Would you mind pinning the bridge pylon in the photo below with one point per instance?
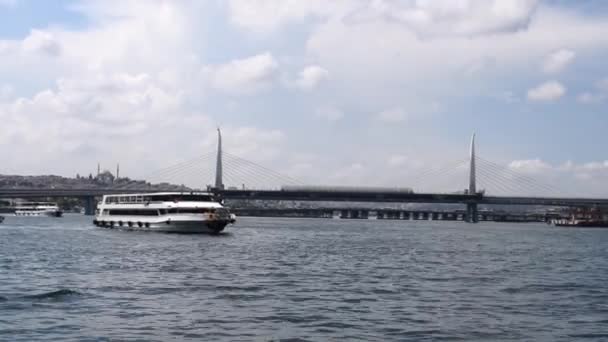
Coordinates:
(219, 182)
(472, 214)
(90, 204)
(472, 175)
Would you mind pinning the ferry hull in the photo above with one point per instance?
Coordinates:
(39, 214)
(182, 227)
(600, 224)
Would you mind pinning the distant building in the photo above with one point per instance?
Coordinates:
(105, 177)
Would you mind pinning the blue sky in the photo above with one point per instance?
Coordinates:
(343, 92)
(19, 17)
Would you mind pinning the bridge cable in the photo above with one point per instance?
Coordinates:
(433, 177)
(237, 169)
(263, 170)
(519, 177)
(491, 176)
(165, 173)
(269, 171)
(524, 182)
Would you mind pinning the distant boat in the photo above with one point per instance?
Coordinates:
(584, 217)
(34, 209)
(173, 212)
(580, 223)
(1, 219)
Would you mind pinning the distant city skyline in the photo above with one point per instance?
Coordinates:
(340, 92)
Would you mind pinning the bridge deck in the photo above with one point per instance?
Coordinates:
(330, 196)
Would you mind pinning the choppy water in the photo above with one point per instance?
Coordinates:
(303, 280)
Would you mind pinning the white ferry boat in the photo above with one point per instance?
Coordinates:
(38, 209)
(173, 212)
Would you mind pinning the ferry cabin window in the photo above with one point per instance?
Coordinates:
(111, 200)
(123, 199)
(133, 212)
(179, 198)
(190, 210)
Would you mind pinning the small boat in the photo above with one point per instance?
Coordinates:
(38, 209)
(172, 212)
(1, 219)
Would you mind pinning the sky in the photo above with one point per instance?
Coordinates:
(327, 92)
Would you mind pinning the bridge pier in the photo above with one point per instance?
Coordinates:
(90, 204)
(472, 213)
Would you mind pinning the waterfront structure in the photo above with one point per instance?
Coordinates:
(174, 212)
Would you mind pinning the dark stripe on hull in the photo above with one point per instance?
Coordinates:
(183, 227)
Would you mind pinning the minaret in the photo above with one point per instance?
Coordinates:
(472, 185)
(219, 183)
(98, 169)
(117, 170)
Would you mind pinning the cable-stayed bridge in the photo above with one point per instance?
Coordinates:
(232, 177)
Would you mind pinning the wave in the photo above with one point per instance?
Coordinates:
(53, 294)
(540, 288)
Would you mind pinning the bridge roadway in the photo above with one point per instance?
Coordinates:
(330, 196)
(478, 198)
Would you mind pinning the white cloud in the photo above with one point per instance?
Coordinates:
(127, 87)
(447, 17)
(588, 98)
(122, 105)
(397, 160)
(548, 91)
(427, 18)
(392, 115)
(329, 113)
(602, 85)
(404, 58)
(41, 42)
(120, 118)
(600, 94)
(265, 16)
(595, 166)
(535, 177)
(351, 174)
(6, 91)
(311, 76)
(592, 176)
(254, 143)
(244, 76)
(140, 70)
(557, 61)
(534, 166)
(506, 96)
(401, 161)
(126, 36)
